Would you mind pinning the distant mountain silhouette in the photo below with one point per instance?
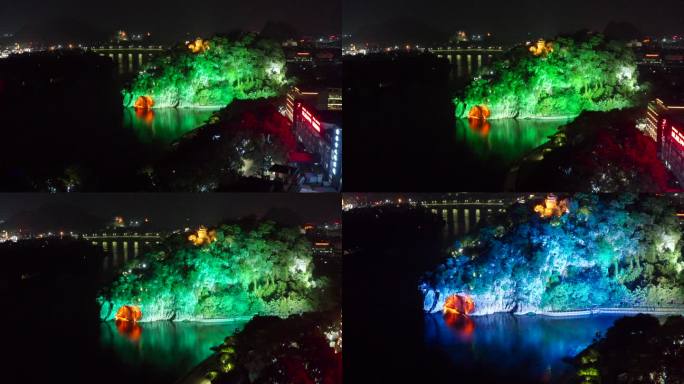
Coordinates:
(622, 31)
(54, 216)
(284, 216)
(279, 31)
(401, 31)
(60, 30)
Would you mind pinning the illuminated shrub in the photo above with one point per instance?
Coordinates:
(211, 73)
(245, 270)
(556, 79)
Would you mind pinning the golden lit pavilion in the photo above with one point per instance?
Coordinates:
(541, 48)
(552, 207)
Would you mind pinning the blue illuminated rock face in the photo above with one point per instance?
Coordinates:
(617, 252)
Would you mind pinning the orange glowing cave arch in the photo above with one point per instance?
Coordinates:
(459, 305)
(479, 112)
(144, 102)
(130, 313)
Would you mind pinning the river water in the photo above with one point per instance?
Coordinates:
(518, 348)
(504, 141)
(162, 351)
(162, 126)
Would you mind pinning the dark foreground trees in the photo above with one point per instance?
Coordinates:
(639, 349)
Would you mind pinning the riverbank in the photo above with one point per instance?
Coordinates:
(224, 320)
(197, 375)
(614, 311)
(599, 311)
(537, 154)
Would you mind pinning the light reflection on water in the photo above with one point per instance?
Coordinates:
(164, 125)
(467, 64)
(164, 348)
(532, 347)
(504, 140)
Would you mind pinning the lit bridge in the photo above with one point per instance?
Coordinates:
(467, 61)
(129, 59)
(107, 49)
(120, 246)
(464, 215)
(466, 202)
(450, 50)
(113, 236)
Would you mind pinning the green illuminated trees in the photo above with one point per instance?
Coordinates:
(246, 67)
(247, 270)
(607, 251)
(579, 74)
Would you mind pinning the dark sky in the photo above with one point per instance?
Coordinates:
(515, 18)
(171, 17)
(173, 209)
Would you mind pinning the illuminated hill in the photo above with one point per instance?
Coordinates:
(561, 78)
(211, 72)
(597, 251)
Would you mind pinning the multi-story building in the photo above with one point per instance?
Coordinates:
(654, 114)
(672, 152)
(320, 133)
(666, 127)
(321, 98)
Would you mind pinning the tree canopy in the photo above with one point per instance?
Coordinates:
(242, 140)
(584, 73)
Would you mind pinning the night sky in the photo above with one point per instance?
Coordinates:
(173, 19)
(515, 18)
(174, 209)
